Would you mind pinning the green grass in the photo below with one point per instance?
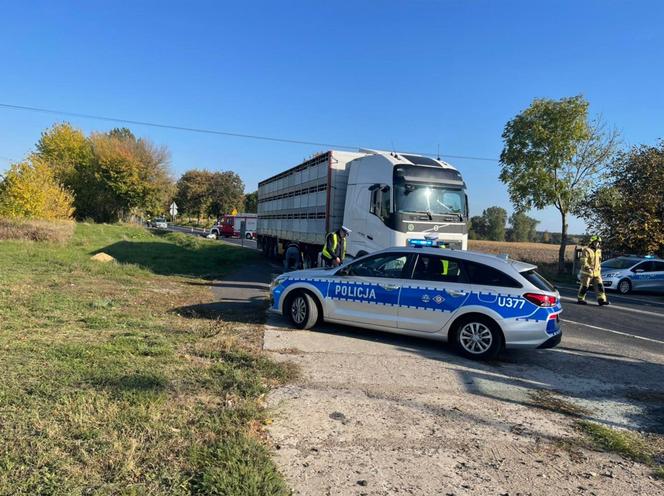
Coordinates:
(631, 445)
(105, 390)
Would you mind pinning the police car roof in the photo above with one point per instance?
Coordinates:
(639, 258)
(475, 256)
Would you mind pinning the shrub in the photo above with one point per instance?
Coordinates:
(30, 191)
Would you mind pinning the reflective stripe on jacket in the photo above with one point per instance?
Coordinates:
(331, 248)
(591, 262)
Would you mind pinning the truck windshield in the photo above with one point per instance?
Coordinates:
(430, 199)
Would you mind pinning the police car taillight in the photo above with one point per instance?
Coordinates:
(541, 300)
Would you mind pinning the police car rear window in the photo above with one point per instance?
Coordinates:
(488, 276)
(538, 281)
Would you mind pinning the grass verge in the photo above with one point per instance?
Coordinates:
(105, 390)
(646, 449)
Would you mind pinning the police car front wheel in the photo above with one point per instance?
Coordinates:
(302, 310)
(624, 286)
(478, 338)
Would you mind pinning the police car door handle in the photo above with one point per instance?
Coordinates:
(389, 287)
(457, 292)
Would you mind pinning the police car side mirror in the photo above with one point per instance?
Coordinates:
(343, 272)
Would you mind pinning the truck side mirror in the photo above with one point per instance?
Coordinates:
(374, 187)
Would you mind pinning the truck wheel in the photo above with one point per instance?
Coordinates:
(302, 310)
(478, 338)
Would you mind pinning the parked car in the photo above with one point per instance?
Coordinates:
(633, 273)
(158, 223)
(481, 303)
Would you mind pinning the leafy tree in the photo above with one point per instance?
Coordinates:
(30, 190)
(524, 228)
(552, 155)
(478, 227)
(251, 203)
(227, 193)
(130, 177)
(628, 209)
(495, 218)
(67, 151)
(122, 133)
(193, 192)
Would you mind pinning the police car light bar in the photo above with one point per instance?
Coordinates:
(419, 243)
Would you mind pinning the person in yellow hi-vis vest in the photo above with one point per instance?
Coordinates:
(334, 250)
(591, 272)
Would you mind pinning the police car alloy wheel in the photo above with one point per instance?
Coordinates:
(478, 338)
(624, 286)
(302, 310)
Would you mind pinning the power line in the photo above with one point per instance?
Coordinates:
(213, 131)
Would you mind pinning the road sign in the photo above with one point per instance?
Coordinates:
(234, 211)
(173, 209)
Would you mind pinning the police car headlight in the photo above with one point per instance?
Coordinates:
(276, 281)
(611, 274)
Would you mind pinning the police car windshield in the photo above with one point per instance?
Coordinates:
(426, 198)
(620, 263)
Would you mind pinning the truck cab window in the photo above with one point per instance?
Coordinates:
(380, 202)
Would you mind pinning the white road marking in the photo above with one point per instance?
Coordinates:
(614, 332)
(626, 309)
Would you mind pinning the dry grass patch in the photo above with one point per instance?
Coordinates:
(58, 231)
(549, 400)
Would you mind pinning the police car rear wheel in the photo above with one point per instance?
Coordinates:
(302, 311)
(624, 286)
(478, 339)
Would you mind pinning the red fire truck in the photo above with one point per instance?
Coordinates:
(230, 226)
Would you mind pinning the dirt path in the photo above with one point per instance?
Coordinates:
(376, 414)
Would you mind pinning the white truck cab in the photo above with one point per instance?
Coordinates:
(391, 198)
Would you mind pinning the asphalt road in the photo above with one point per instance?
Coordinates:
(247, 243)
(636, 317)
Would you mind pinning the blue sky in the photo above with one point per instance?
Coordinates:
(411, 75)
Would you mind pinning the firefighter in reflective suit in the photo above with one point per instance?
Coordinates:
(591, 272)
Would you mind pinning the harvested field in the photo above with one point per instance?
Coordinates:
(537, 253)
(36, 230)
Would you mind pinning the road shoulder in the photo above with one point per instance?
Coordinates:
(378, 414)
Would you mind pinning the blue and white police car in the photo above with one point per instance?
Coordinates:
(633, 273)
(479, 302)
